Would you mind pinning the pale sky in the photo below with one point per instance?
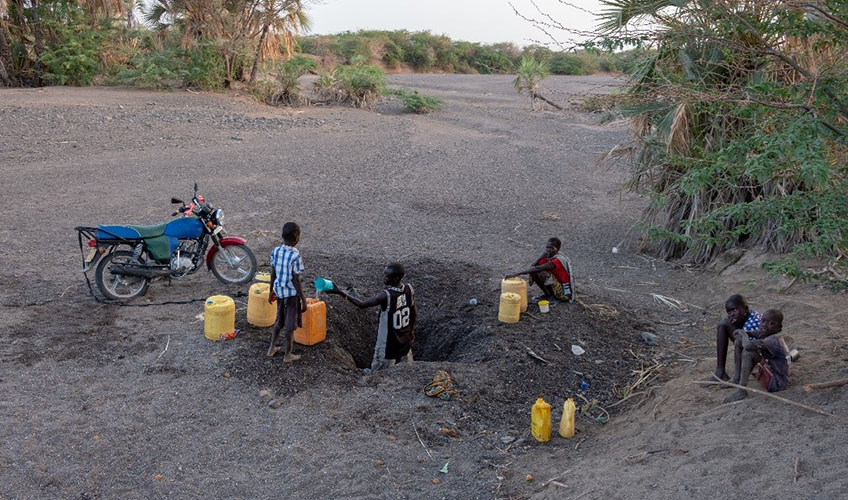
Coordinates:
(485, 21)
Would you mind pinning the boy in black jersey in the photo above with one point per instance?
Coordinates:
(396, 330)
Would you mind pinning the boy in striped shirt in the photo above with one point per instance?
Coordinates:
(739, 317)
(286, 268)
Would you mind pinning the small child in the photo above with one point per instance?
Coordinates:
(396, 329)
(286, 268)
(552, 273)
(764, 346)
(739, 316)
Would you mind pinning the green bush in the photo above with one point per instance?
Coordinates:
(487, 60)
(262, 90)
(300, 64)
(567, 64)
(325, 87)
(349, 46)
(419, 55)
(422, 51)
(200, 67)
(538, 52)
(288, 90)
(415, 102)
(159, 70)
(76, 59)
(360, 85)
(205, 67)
(392, 54)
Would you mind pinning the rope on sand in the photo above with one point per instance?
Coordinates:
(764, 393)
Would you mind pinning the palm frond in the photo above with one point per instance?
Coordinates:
(620, 13)
(679, 133)
(156, 16)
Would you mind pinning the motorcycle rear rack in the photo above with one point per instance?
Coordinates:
(87, 233)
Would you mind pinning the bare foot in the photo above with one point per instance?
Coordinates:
(734, 380)
(739, 395)
(272, 351)
(289, 357)
(712, 378)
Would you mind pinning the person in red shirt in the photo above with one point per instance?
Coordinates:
(551, 273)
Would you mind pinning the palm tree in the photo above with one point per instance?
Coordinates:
(282, 20)
(529, 76)
(108, 8)
(234, 24)
(720, 74)
(7, 70)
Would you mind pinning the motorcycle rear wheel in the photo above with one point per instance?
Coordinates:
(116, 286)
(234, 265)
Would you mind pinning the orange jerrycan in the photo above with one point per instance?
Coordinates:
(540, 421)
(314, 328)
(566, 425)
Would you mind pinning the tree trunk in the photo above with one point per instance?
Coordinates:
(39, 47)
(5, 81)
(130, 16)
(258, 54)
(543, 98)
(7, 68)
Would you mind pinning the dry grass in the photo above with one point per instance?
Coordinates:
(604, 311)
(644, 376)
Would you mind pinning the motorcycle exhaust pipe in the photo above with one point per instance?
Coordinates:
(138, 271)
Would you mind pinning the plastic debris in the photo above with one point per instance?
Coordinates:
(442, 386)
(577, 350)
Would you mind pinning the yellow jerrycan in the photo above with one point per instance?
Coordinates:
(566, 425)
(516, 285)
(509, 310)
(259, 311)
(219, 317)
(540, 421)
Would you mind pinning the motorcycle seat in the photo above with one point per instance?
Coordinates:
(130, 232)
(151, 231)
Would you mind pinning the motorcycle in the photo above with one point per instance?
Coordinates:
(127, 258)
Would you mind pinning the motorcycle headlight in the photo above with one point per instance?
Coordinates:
(219, 216)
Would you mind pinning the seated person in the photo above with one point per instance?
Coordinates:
(396, 329)
(552, 273)
(738, 316)
(763, 346)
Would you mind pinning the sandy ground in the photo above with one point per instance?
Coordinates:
(132, 402)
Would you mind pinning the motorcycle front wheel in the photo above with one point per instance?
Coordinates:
(234, 265)
(116, 286)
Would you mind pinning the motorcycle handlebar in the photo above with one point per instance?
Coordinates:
(179, 211)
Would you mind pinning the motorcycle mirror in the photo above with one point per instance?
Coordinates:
(195, 187)
(176, 200)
